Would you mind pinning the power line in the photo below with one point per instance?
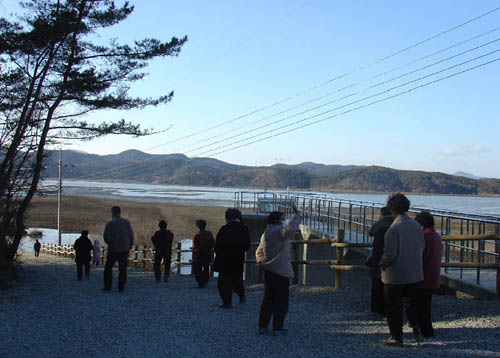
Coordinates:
(330, 80)
(360, 107)
(183, 150)
(342, 98)
(211, 152)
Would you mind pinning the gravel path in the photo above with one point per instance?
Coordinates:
(52, 315)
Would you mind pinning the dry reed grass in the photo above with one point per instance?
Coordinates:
(80, 213)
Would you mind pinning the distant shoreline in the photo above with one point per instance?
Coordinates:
(279, 189)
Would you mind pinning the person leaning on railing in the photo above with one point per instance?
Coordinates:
(273, 256)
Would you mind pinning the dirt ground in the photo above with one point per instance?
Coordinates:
(79, 213)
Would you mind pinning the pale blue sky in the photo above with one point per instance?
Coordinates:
(245, 55)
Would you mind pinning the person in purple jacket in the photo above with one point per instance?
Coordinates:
(432, 272)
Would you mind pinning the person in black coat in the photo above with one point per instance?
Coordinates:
(162, 241)
(231, 242)
(83, 247)
(37, 247)
(378, 231)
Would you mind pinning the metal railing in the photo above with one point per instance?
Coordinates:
(355, 217)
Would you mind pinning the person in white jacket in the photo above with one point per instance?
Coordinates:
(273, 256)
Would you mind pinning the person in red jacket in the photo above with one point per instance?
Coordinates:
(203, 252)
(432, 272)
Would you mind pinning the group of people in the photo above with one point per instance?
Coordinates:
(404, 263)
(230, 245)
(405, 266)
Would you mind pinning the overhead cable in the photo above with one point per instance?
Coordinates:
(357, 108)
(346, 105)
(184, 150)
(351, 95)
(330, 80)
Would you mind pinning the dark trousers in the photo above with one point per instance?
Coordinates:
(167, 260)
(377, 301)
(122, 258)
(37, 253)
(275, 301)
(393, 295)
(201, 271)
(424, 303)
(79, 268)
(227, 283)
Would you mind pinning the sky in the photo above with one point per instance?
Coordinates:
(255, 69)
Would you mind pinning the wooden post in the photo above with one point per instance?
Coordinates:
(179, 257)
(136, 255)
(340, 260)
(295, 265)
(497, 261)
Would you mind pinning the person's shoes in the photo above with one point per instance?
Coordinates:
(157, 280)
(243, 299)
(417, 334)
(106, 289)
(263, 330)
(225, 306)
(165, 279)
(393, 342)
(280, 332)
(88, 277)
(121, 289)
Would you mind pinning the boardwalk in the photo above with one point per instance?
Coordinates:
(52, 315)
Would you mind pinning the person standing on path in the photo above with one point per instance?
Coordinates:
(37, 248)
(83, 247)
(432, 272)
(119, 236)
(378, 231)
(96, 253)
(231, 243)
(162, 241)
(273, 256)
(402, 269)
(203, 245)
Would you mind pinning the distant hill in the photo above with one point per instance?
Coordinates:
(467, 175)
(136, 166)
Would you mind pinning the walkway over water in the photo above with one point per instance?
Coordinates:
(328, 216)
(51, 314)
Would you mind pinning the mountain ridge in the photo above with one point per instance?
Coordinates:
(178, 169)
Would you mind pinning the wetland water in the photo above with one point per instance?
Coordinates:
(197, 195)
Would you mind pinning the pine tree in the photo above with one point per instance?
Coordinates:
(52, 74)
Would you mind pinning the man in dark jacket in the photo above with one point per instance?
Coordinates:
(378, 231)
(230, 245)
(83, 247)
(162, 241)
(119, 236)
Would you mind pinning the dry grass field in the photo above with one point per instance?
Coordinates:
(91, 214)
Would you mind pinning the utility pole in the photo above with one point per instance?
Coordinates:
(59, 199)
